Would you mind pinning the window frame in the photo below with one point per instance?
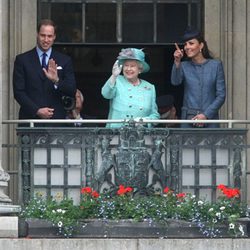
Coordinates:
(119, 17)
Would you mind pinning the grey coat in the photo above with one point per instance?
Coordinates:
(204, 87)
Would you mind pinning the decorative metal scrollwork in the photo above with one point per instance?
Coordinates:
(237, 168)
(132, 161)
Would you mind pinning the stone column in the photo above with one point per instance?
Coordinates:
(17, 34)
(8, 224)
(4, 176)
(5, 202)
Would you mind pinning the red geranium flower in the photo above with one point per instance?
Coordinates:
(181, 195)
(86, 190)
(166, 190)
(128, 189)
(95, 194)
(229, 192)
(221, 187)
(122, 190)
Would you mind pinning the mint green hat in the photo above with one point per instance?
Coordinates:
(133, 54)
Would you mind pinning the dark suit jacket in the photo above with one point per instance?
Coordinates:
(33, 90)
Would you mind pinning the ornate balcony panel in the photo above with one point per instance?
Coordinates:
(59, 161)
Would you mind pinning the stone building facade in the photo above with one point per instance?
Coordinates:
(226, 29)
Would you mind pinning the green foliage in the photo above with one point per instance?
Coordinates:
(125, 205)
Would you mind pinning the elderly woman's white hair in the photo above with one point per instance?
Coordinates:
(80, 94)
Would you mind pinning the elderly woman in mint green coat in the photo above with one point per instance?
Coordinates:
(130, 96)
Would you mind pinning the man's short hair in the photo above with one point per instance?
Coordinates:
(45, 22)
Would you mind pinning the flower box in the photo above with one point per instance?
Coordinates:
(117, 216)
(39, 228)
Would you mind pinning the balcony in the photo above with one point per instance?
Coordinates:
(60, 160)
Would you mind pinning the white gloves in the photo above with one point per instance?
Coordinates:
(116, 70)
(138, 119)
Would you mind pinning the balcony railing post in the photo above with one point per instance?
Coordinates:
(26, 168)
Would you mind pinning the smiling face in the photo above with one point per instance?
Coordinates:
(131, 70)
(46, 37)
(193, 48)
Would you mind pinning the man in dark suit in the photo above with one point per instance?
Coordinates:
(42, 76)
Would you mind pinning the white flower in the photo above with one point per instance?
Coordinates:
(200, 203)
(59, 224)
(222, 208)
(53, 211)
(218, 214)
(211, 210)
(59, 210)
(231, 226)
(63, 211)
(193, 196)
(214, 220)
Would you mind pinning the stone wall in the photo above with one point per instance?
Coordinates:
(125, 244)
(227, 30)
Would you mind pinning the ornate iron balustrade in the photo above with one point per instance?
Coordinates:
(59, 161)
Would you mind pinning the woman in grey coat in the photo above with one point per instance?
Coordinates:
(203, 79)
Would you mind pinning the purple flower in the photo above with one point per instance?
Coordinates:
(126, 53)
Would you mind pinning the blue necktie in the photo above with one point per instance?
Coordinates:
(44, 64)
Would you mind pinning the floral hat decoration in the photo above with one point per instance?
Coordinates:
(133, 54)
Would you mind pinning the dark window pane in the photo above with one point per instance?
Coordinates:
(100, 23)
(92, 66)
(137, 22)
(68, 18)
(194, 16)
(43, 11)
(172, 20)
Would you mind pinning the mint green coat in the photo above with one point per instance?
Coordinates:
(128, 101)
